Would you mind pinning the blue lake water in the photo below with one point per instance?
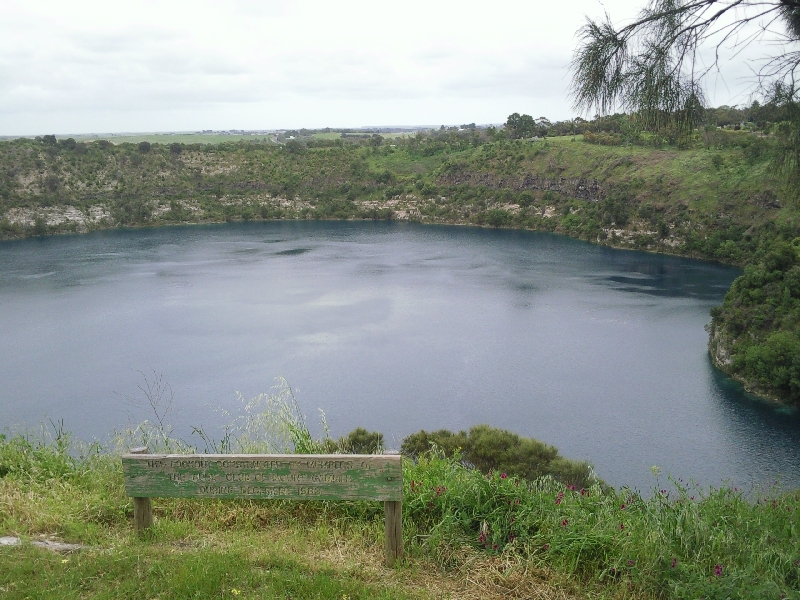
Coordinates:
(393, 327)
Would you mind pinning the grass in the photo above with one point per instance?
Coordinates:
(467, 534)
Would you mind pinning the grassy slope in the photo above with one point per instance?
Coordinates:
(717, 200)
(467, 535)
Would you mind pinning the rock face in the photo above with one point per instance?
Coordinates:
(572, 187)
(719, 346)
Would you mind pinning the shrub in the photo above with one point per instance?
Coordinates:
(489, 449)
(361, 441)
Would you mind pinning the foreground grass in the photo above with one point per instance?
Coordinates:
(467, 535)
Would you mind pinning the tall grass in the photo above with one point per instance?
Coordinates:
(679, 543)
(270, 423)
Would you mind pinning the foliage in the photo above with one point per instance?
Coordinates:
(520, 126)
(678, 543)
(490, 450)
(761, 315)
(361, 441)
(651, 66)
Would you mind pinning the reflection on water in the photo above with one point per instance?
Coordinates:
(394, 327)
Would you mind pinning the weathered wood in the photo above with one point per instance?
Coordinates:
(142, 506)
(267, 476)
(394, 531)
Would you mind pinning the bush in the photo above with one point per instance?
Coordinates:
(361, 441)
(489, 449)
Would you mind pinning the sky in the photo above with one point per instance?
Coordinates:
(173, 65)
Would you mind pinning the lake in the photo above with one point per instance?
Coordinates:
(394, 327)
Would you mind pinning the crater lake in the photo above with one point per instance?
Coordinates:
(393, 327)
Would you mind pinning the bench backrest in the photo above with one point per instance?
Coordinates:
(265, 476)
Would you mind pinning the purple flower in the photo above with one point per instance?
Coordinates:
(503, 475)
(674, 562)
(718, 570)
(630, 563)
(565, 522)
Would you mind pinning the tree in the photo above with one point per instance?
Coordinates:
(144, 147)
(652, 67)
(520, 126)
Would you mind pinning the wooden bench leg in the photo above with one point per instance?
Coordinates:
(394, 531)
(142, 507)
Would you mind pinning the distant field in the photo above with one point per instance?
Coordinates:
(336, 136)
(326, 136)
(170, 138)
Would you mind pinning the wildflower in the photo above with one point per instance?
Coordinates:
(718, 570)
(560, 497)
(621, 526)
(565, 522)
(622, 507)
(503, 475)
(235, 592)
(630, 563)
(517, 501)
(494, 547)
(482, 537)
(674, 562)
(583, 492)
(64, 560)
(546, 547)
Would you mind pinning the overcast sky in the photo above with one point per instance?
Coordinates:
(81, 66)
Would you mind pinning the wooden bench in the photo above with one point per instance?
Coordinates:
(268, 477)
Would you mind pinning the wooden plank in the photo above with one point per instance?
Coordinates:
(394, 532)
(142, 507)
(264, 476)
